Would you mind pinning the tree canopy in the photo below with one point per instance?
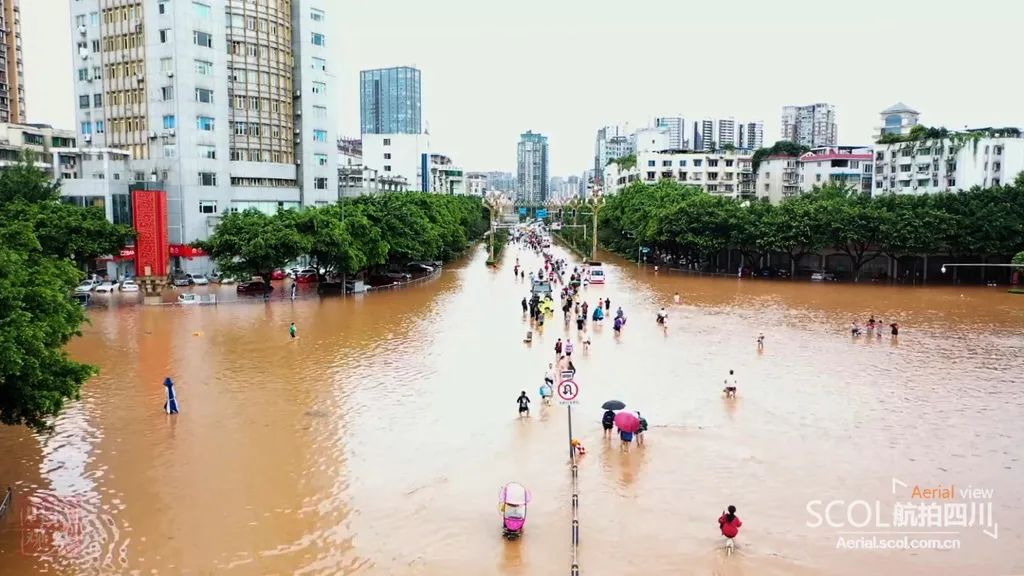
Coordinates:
(693, 226)
(354, 235)
(43, 246)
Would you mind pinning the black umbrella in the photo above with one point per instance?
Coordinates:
(613, 405)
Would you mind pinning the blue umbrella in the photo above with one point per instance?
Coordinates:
(171, 406)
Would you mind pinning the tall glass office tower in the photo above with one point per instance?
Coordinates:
(389, 101)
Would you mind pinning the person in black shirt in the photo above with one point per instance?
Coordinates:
(607, 421)
(524, 404)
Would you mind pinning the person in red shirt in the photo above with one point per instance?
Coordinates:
(729, 523)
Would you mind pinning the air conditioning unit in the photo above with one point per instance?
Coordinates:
(298, 130)
(89, 79)
(82, 29)
(87, 137)
(152, 135)
(140, 78)
(298, 162)
(170, 73)
(298, 93)
(298, 112)
(84, 54)
(138, 27)
(298, 140)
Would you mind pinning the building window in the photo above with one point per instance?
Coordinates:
(95, 46)
(651, 163)
(387, 155)
(207, 151)
(97, 100)
(80, 20)
(319, 64)
(666, 163)
(83, 101)
(320, 183)
(728, 163)
(99, 127)
(319, 88)
(83, 74)
(204, 68)
(316, 15)
(817, 177)
(202, 39)
(204, 95)
(86, 127)
(320, 111)
(97, 73)
(165, 36)
(201, 10)
(387, 141)
(682, 163)
(207, 207)
(320, 135)
(170, 151)
(167, 93)
(698, 163)
(321, 159)
(204, 123)
(319, 39)
(169, 122)
(207, 178)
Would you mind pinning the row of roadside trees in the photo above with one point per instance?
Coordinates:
(45, 245)
(692, 227)
(352, 236)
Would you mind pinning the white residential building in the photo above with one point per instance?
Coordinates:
(224, 104)
(969, 159)
(725, 173)
(781, 177)
(897, 119)
(611, 142)
(476, 183)
(402, 160)
(677, 136)
(813, 125)
(651, 140)
(37, 142)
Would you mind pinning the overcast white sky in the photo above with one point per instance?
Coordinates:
(492, 70)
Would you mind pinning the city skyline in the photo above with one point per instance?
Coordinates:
(463, 45)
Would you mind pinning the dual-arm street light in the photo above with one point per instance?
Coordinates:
(496, 202)
(596, 201)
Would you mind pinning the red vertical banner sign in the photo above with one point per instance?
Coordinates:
(149, 211)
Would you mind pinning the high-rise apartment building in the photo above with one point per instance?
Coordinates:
(12, 71)
(813, 125)
(751, 135)
(390, 101)
(532, 168)
(676, 126)
(224, 104)
(726, 134)
(612, 142)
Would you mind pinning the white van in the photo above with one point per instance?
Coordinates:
(596, 275)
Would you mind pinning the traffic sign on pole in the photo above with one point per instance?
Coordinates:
(567, 392)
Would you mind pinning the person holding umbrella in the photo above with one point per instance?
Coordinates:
(171, 405)
(608, 418)
(628, 424)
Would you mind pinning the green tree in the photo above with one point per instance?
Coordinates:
(41, 242)
(36, 376)
(251, 243)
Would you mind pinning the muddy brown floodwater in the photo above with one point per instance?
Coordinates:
(376, 442)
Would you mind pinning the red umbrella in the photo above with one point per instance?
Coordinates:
(627, 421)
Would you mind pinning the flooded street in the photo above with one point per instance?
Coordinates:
(377, 441)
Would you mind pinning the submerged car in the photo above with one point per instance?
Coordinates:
(199, 279)
(106, 287)
(181, 280)
(253, 287)
(87, 286)
(129, 285)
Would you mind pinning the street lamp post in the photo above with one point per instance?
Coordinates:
(495, 201)
(596, 202)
